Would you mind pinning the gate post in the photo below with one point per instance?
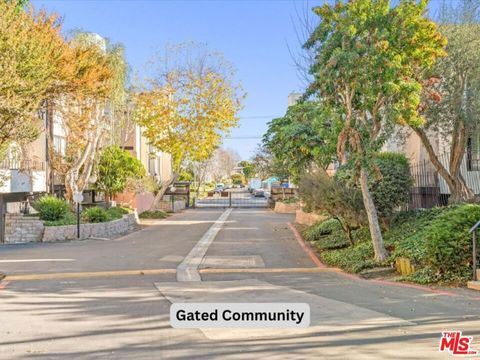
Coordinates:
(229, 199)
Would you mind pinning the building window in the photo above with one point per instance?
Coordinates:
(473, 153)
(59, 145)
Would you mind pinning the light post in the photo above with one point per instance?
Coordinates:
(78, 199)
(172, 190)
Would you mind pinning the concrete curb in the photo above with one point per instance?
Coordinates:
(306, 247)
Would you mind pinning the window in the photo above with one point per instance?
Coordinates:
(59, 144)
(473, 153)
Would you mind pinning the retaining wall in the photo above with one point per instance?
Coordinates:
(22, 229)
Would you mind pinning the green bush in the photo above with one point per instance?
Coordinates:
(341, 201)
(51, 208)
(95, 215)
(157, 214)
(69, 219)
(320, 229)
(389, 182)
(449, 244)
(353, 259)
(392, 190)
(116, 212)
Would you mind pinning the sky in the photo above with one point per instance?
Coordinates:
(253, 35)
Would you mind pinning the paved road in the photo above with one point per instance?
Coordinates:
(86, 299)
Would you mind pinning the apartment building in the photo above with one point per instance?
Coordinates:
(28, 168)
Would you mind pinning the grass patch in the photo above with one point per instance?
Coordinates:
(156, 214)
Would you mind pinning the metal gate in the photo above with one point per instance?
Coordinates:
(232, 198)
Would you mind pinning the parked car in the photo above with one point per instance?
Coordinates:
(258, 193)
(219, 187)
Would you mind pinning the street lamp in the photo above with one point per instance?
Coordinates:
(78, 199)
(172, 190)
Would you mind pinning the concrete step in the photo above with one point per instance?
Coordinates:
(474, 285)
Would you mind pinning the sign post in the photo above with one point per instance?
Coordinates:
(78, 199)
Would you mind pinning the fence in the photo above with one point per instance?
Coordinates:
(429, 189)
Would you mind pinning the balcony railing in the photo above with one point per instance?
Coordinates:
(22, 165)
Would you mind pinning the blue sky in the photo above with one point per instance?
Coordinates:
(253, 35)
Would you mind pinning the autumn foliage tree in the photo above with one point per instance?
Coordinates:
(33, 53)
(452, 99)
(188, 105)
(83, 107)
(368, 53)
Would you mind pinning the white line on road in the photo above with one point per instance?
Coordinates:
(34, 260)
(188, 269)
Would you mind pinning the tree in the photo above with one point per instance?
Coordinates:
(189, 105)
(367, 58)
(33, 53)
(114, 169)
(302, 139)
(452, 99)
(266, 165)
(238, 179)
(247, 169)
(82, 106)
(222, 163)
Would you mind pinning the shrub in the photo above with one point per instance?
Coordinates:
(392, 189)
(51, 208)
(448, 242)
(114, 169)
(353, 259)
(156, 214)
(316, 231)
(389, 182)
(116, 212)
(337, 198)
(95, 215)
(69, 219)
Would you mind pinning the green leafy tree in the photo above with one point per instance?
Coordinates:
(368, 53)
(453, 95)
(247, 169)
(114, 169)
(302, 139)
(238, 179)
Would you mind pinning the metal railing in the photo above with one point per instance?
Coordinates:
(16, 164)
(473, 231)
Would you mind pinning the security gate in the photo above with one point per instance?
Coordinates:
(231, 198)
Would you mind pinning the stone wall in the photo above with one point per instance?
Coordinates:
(100, 230)
(22, 229)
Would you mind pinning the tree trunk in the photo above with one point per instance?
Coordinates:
(163, 188)
(375, 232)
(458, 188)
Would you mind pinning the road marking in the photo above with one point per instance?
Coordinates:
(188, 269)
(86, 275)
(35, 260)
